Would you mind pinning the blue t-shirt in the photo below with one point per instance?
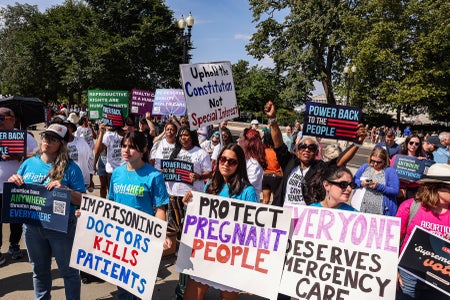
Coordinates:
(34, 170)
(247, 194)
(343, 206)
(143, 189)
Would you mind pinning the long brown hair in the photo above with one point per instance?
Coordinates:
(428, 194)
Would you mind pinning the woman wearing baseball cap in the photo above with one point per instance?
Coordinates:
(51, 167)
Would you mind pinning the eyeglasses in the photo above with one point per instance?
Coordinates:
(343, 184)
(414, 143)
(372, 161)
(303, 146)
(231, 161)
(3, 118)
(49, 139)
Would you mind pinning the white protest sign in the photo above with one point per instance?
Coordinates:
(244, 240)
(209, 92)
(337, 254)
(119, 244)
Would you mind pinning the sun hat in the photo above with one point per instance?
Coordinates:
(61, 117)
(73, 118)
(439, 173)
(254, 122)
(57, 130)
(435, 141)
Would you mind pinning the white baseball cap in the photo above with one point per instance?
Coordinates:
(254, 122)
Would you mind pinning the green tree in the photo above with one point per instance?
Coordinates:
(401, 50)
(254, 86)
(305, 47)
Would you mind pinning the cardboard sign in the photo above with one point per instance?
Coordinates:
(331, 121)
(427, 257)
(13, 143)
(210, 93)
(34, 204)
(177, 170)
(141, 101)
(112, 116)
(169, 101)
(118, 244)
(411, 168)
(98, 98)
(244, 240)
(337, 254)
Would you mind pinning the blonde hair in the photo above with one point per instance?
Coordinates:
(381, 153)
(61, 162)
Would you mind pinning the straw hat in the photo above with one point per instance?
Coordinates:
(439, 173)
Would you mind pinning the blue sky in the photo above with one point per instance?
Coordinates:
(222, 28)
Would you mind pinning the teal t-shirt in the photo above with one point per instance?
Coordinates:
(343, 206)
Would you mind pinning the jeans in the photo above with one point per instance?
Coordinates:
(42, 244)
(416, 289)
(123, 294)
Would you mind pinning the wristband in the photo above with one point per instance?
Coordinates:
(271, 121)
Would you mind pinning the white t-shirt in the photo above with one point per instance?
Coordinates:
(112, 141)
(294, 195)
(86, 134)
(161, 150)
(10, 167)
(255, 174)
(82, 155)
(202, 163)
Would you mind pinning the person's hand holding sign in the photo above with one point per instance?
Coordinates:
(16, 179)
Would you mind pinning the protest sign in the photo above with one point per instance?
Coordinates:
(118, 244)
(141, 101)
(337, 254)
(13, 143)
(210, 93)
(98, 98)
(427, 257)
(245, 239)
(411, 168)
(112, 116)
(177, 170)
(34, 204)
(331, 121)
(169, 101)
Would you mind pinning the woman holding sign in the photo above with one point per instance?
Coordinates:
(411, 147)
(52, 168)
(230, 180)
(381, 183)
(430, 209)
(146, 190)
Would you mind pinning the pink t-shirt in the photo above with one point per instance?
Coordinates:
(425, 218)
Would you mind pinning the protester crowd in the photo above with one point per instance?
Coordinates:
(264, 164)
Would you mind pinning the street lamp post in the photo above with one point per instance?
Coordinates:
(349, 73)
(186, 37)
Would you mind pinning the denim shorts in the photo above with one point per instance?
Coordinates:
(101, 170)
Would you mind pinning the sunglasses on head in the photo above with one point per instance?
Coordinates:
(231, 161)
(343, 184)
(3, 118)
(303, 146)
(414, 143)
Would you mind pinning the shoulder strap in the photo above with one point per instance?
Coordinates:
(414, 208)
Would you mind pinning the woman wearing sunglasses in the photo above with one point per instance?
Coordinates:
(411, 147)
(338, 184)
(381, 183)
(230, 180)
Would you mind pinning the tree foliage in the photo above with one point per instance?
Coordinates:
(99, 45)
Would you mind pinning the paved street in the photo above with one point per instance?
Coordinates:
(16, 276)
